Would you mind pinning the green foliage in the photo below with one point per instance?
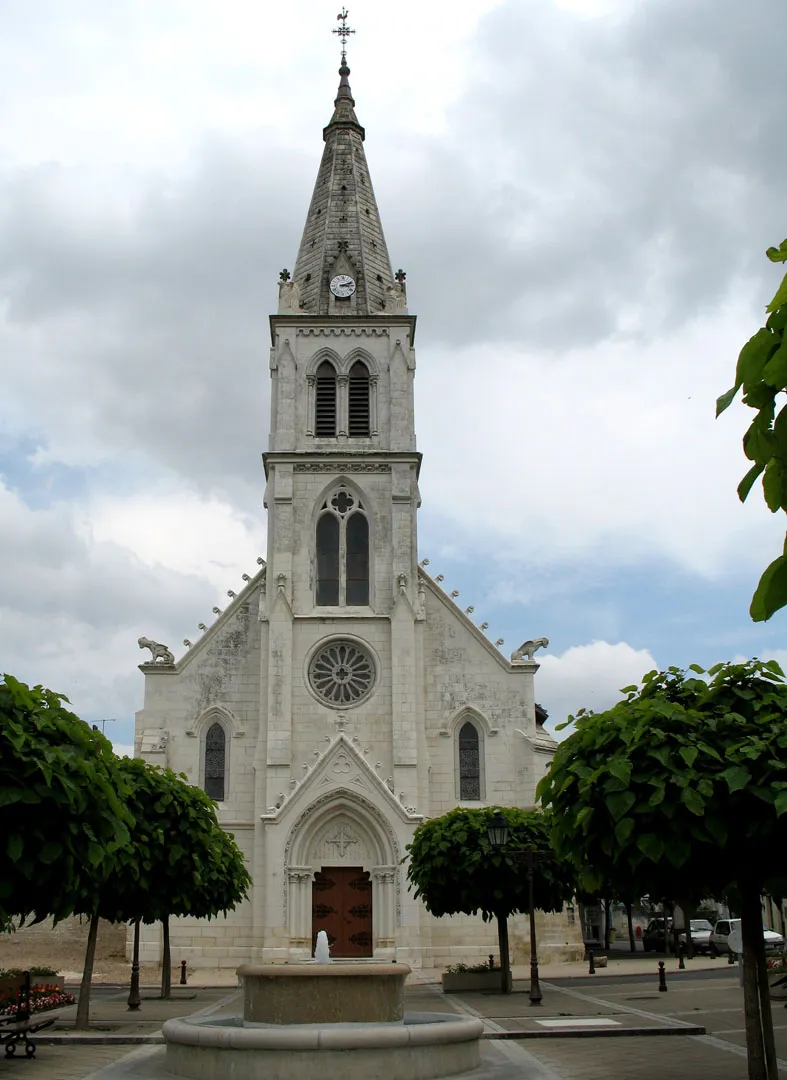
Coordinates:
(178, 860)
(62, 818)
(453, 868)
(681, 788)
(762, 372)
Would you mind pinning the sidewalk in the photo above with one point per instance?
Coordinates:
(611, 1026)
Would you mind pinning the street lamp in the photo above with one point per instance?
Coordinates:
(497, 831)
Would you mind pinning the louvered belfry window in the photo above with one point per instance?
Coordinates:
(342, 551)
(325, 401)
(469, 763)
(215, 762)
(359, 415)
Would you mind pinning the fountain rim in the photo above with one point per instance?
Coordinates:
(336, 968)
(424, 1029)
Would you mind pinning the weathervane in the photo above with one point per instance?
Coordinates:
(344, 32)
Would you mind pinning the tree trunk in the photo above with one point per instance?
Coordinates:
(607, 923)
(760, 1047)
(83, 1007)
(166, 961)
(505, 963)
(632, 941)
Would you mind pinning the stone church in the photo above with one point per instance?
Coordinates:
(342, 696)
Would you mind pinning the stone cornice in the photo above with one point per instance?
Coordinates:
(341, 461)
(343, 325)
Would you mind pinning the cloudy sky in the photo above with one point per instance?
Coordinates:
(581, 192)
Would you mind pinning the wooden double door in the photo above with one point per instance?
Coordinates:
(342, 907)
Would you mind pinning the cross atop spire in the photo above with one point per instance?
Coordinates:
(343, 234)
(343, 32)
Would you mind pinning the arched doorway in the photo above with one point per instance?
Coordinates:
(342, 877)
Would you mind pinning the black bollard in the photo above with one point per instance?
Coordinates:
(183, 973)
(591, 964)
(662, 977)
(681, 955)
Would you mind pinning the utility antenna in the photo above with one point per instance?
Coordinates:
(343, 31)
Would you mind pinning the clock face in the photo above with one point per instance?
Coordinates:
(342, 286)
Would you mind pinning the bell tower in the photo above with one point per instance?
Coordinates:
(342, 465)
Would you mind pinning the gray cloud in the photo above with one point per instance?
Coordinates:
(594, 168)
(596, 176)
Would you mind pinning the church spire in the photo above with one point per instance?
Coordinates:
(343, 235)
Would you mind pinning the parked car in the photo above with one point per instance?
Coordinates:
(718, 939)
(701, 931)
(653, 938)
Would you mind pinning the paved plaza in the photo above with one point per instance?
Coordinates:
(613, 1026)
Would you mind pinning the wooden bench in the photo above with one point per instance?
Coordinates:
(17, 1027)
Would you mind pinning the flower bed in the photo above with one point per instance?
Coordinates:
(43, 996)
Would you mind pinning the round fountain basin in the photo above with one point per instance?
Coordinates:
(425, 1045)
(358, 993)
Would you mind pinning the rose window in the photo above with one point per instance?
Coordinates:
(342, 674)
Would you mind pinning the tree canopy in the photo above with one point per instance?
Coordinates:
(681, 789)
(63, 820)
(649, 792)
(453, 867)
(762, 373)
(178, 860)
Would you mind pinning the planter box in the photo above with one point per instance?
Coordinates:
(13, 983)
(458, 982)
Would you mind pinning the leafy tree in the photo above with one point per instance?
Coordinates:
(454, 869)
(762, 372)
(681, 790)
(62, 816)
(178, 861)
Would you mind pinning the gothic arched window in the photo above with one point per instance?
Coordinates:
(215, 762)
(359, 410)
(342, 552)
(325, 401)
(328, 530)
(469, 763)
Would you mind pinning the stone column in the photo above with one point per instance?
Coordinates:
(310, 404)
(384, 909)
(299, 907)
(373, 421)
(342, 382)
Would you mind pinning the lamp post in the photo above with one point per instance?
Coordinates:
(497, 831)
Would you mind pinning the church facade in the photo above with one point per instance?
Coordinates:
(342, 696)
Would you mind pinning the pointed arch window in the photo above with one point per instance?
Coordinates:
(469, 746)
(325, 401)
(359, 408)
(342, 552)
(215, 762)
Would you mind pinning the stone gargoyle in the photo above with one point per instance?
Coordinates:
(528, 649)
(160, 654)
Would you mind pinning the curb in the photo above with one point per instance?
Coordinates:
(596, 1033)
(98, 1040)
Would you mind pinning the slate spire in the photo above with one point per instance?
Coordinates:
(343, 233)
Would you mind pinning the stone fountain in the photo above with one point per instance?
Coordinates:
(328, 1020)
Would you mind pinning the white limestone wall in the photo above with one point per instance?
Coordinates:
(466, 677)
